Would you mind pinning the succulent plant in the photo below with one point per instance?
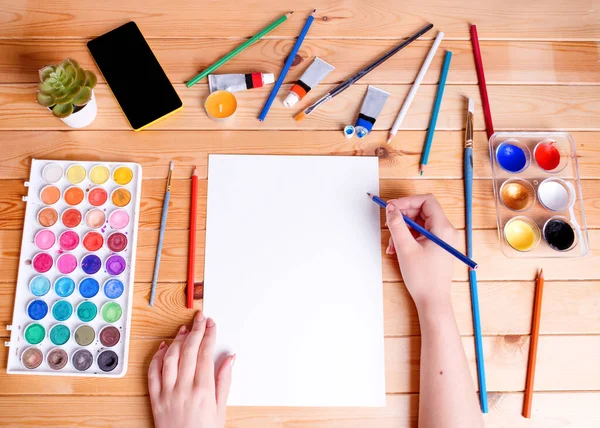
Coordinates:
(65, 87)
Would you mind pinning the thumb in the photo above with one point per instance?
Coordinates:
(223, 382)
(403, 239)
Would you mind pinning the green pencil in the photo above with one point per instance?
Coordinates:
(237, 50)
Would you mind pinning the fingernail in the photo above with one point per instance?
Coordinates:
(390, 208)
(182, 329)
(199, 316)
(162, 345)
(210, 323)
(232, 362)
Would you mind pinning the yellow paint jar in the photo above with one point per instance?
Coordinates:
(522, 234)
(122, 175)
(76, 174)
(220, 105)
(99, 174)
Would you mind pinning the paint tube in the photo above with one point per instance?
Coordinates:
(238, 82)
(311, 78)
(370, 109)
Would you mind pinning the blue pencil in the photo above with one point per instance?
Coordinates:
(286, 67)
(460, 256)
(163, 225)
(436, 111)
(468, 169)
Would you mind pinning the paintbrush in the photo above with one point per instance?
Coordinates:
(468, 170)
(161, 236)
(362, 73)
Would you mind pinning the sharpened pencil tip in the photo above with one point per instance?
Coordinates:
(368, 194)
(195, 171)
(541, 274)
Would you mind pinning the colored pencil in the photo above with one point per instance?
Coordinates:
(485, 101)
(415, 87)
(362, 73)
(468, 171)
(286, 67)
(535, 331)
(161, 236)
(239, 49)
(434, 114)
(428, 234)
(192, 239)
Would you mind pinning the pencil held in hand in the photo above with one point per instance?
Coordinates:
(416, 226)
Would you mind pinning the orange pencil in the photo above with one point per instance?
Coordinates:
(535, 331)
(192, 243)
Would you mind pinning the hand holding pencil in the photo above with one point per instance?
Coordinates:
(415, 252)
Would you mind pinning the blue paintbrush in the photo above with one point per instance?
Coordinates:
(460, 256)
(163, 225)
(468, 164)
(286, 67)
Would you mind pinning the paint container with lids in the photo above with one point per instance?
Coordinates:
(74, 290)
(539, 203)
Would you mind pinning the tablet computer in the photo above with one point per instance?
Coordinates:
(134, 75)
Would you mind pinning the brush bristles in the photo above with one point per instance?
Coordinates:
(471, 106)
(300, 116)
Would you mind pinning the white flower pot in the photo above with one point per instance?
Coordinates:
(83, 117)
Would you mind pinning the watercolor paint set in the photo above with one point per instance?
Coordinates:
(74, 290)
(539, 204)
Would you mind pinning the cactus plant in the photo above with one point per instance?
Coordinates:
(65, 88)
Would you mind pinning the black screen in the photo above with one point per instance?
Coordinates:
(134, 75)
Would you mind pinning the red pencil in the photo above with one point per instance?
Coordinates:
(192, 244)
(485, 101)
(535, 331)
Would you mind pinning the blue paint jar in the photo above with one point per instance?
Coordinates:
(37, 309)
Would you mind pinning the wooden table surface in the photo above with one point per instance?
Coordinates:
(542, 62)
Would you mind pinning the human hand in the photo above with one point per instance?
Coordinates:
(426, 267)
(183, 390)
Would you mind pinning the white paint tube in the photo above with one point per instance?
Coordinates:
(238, 82)
(311, 78)
(370, 110)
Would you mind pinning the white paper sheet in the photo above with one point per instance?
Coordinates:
(293, 278)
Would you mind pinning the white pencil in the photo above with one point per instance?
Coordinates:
(415, 86)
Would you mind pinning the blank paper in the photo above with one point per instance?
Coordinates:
(293, 278)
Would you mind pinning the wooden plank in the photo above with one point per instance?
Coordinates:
(379, 18)
(493, 265)
(569, 308)
(153, 150)
(506, 61)
(550, 409)
(513, 107)
(449, 192)
(505, 358)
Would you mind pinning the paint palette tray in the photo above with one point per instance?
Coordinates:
(539, 204)
(74, 291)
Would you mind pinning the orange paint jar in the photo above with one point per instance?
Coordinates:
(50, 195)
(73, 195)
